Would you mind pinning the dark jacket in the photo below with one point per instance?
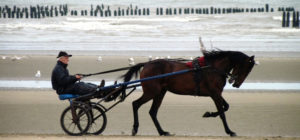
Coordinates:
(60, 78)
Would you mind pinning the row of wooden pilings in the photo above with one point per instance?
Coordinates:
(33, 11)
(105, 11)
(286, 19)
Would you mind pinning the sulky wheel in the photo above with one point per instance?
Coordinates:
(98, 122)
(75, 120)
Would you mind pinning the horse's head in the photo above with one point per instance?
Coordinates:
(225, 61)
(241, 70)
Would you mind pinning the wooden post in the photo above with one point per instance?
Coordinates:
(167, 11)
(283, 19)
(288, 19)
(101, 13)
(297, 20)
(115, 13)
(294, 19)
(96, 13)
(56, 11)
(18, 12)
(26, 13)
(51, 11)
(136, 10)
(108, 11)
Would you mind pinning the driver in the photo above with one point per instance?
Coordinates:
(64, 83)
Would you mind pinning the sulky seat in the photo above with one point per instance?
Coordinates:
(67, 96)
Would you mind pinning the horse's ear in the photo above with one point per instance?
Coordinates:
(252, 57)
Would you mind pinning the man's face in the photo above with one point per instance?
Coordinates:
(64, 59)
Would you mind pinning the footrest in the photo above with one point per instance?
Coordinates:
(67, 96)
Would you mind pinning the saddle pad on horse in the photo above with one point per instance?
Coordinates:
(67, 96)
(201, 62)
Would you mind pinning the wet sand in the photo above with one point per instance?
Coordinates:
(269, 70)
(251, 114)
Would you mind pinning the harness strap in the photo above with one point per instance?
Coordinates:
(197, 74)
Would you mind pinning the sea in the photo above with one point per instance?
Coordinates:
(259, 33)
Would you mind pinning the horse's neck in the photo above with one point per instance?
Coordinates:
(223, 65)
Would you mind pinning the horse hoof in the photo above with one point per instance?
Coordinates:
(133, 132)
(206, 115)
(232, 134)
(166, 134)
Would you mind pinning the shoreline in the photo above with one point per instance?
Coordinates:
(142, 53)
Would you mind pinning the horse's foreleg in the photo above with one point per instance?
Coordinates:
(136, 105)
(219, 104)
(153, 113)
(215, 114)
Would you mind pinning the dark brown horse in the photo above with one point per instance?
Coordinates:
(212, 82)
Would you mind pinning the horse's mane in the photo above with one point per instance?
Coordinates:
(234, 56)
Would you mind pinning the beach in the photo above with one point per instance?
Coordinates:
(252, 113)
(265, 107)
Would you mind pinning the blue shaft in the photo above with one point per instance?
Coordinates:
(147, 79)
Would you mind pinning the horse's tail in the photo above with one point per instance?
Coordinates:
(133, 70)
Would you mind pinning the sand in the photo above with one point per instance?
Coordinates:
(269, 70)
(61, 137)
(251, 114)
(34, 114)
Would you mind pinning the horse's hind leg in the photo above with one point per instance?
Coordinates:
(136, 105)
(153, 113)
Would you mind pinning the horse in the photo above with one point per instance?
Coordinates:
(221, 65)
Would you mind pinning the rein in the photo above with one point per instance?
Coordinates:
(104, 72)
